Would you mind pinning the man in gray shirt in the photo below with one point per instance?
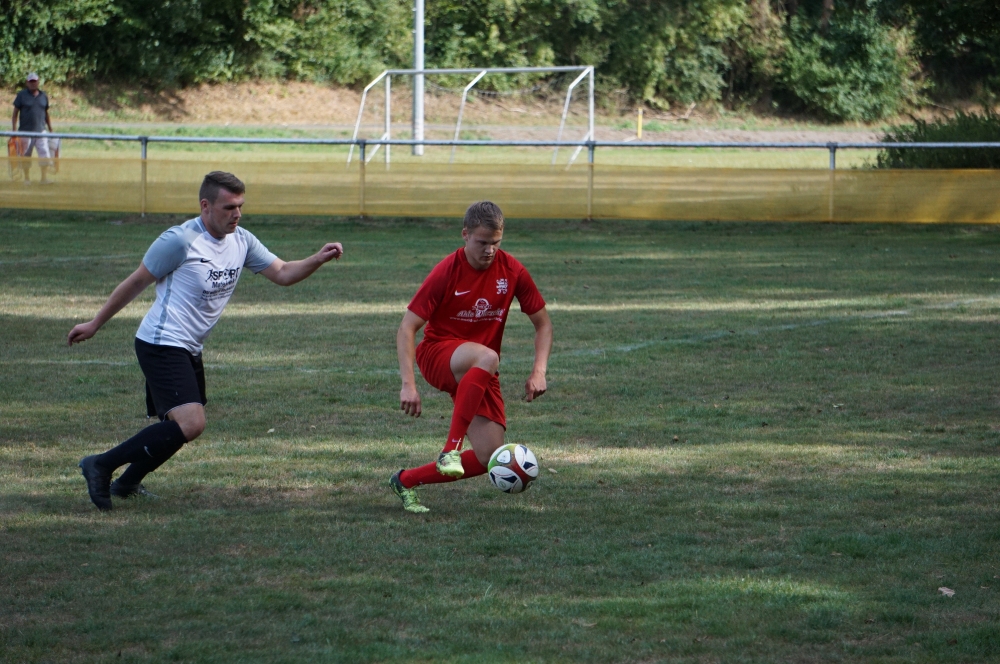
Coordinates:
(195, 267)
(32, 105)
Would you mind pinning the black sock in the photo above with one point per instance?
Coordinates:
(137, 470)
(154, 444)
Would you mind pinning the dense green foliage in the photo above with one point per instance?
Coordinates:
(855, 59)
(178, 42)
(963, 128)
(853, 72)
(959, 42)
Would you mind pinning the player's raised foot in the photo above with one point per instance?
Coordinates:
(409, 496)
(119, 490)
(98, 482)
(449, 464)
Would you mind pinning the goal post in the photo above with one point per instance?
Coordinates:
(477, 74)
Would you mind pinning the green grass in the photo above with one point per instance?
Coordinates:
(657, 157)
(771, 443)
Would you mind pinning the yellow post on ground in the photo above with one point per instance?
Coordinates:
(638, 126)
(590, 180)
(142, 205)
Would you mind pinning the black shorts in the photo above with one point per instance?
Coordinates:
(174, 377)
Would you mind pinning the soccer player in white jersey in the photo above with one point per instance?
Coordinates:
(195, 267)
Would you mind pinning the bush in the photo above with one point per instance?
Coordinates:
(859, 69)
(963, 128)
(180, 42)
(39, 35)
(662, 52)
(959, 43)
(756, 53)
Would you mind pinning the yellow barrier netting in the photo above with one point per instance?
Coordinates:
(525, 191)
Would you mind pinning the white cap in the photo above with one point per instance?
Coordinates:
(32, 76)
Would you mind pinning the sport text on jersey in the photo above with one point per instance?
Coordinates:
(222, 283)
(227, 275)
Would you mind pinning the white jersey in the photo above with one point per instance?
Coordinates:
(195, 277)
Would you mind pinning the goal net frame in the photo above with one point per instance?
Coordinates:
(585, 72)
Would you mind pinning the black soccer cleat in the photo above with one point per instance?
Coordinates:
(126, 491)
(98, 482)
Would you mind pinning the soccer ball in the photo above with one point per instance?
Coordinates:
(512, 468)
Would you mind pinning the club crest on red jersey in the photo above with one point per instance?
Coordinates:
(501, 286)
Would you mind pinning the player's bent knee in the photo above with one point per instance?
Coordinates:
(191, 419)
(470, 355)
(192, 429)
(488, 360)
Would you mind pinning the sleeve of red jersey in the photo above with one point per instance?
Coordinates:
(527, 293)
(431, 292)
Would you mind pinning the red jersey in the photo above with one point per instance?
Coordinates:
(460, 302)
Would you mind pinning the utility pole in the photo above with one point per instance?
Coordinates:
(418, 79)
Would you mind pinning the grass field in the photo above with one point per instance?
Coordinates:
(668, 157)
(761, 443)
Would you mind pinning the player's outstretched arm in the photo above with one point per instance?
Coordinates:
(406, 340)
(124, 293)
(535, 386)
(292, 272)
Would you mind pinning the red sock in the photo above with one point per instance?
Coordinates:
(467, 399)
(428, 474)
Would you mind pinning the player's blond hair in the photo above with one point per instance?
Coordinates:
(484, 213)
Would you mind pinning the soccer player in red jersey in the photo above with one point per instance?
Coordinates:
(464, 302)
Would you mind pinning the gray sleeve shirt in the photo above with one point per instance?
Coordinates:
(196, 275)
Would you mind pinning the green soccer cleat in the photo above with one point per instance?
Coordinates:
(449, 464)
(409, 496)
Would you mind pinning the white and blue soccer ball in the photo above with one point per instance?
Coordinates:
(512, 468)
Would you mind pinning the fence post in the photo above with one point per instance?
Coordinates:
(361, 193)
(145, 141)
(832, 147)
(590, 179)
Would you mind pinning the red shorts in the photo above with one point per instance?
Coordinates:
(434, 361)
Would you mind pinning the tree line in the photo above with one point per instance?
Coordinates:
(836, 59)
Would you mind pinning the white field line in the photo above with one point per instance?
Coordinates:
(84, 307)
(68, 259)
(221, 367)
(755, 331)
(750, 331)
(50, 307)
(625, 348)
